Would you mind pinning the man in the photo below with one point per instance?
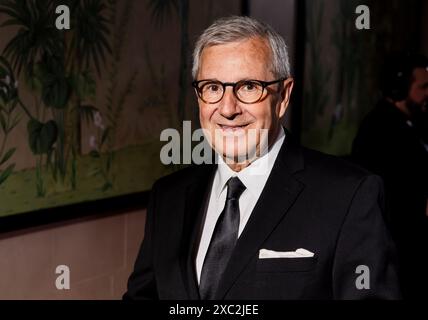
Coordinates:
(302, 227)
(392, 142)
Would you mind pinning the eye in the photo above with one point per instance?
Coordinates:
(249, 86)
(211, 87)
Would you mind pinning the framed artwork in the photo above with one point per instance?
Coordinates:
(81, 110)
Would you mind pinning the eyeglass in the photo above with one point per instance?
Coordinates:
(246, 91)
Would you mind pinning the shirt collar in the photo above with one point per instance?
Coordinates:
(254, 176)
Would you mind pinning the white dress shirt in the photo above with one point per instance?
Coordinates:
(253, 177)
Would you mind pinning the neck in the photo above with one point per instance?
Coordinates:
(237, 167)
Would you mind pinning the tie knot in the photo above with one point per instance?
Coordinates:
(234, 188)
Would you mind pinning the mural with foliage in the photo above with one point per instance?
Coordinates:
(81, 110)
(60, 70)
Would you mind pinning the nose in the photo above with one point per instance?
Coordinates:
(229, 107)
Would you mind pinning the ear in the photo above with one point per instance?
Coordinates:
(285, 96)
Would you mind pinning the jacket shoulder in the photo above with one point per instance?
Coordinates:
(331, 167)
(183, 177)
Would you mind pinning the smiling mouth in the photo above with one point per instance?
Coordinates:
(232, 128)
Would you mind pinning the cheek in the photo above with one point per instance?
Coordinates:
(416, 94)
(205, 115)
(263, 116)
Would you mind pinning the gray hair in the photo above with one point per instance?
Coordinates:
(239, 28)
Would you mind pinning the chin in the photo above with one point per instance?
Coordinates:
(236, 157)
(239, 154)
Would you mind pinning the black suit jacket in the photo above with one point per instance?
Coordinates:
(311, 201)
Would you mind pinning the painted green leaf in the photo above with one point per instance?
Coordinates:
(87, 113)
(56, 93)
(106, 186)
(6, 173)
(14, 123)
(3, 122)
(94, 154)
(7, 156)
(105, 135)
(56, 88)
(109, 161)
(41, 136)
(94, 172)
(84, 85)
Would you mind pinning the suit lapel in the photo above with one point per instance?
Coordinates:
(279, 194)
(196, 198)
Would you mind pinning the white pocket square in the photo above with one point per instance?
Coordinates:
(299, 253)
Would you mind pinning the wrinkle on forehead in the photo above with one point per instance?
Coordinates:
(241, 55)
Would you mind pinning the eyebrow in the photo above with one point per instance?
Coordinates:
(243, 79)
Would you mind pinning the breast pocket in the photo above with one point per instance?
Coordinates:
(282, 265)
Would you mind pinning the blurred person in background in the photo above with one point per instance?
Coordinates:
(392, 142)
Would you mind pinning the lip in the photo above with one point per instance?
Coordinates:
(229, 128)
(232, 130)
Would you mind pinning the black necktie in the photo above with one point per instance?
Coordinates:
(222, 242)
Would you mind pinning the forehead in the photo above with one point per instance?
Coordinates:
(236, 60)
